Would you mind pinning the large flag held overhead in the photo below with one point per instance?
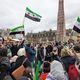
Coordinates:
(32, 15)
(17, 30)
(77, 25)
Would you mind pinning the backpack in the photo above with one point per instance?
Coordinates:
(72, 72)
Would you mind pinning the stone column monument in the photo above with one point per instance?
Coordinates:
(60, 36)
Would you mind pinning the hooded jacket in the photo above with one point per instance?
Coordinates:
(57, 71)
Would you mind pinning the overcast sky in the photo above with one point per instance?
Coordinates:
(12, 13)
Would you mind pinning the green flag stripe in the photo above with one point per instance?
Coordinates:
(78, 19)
(27, 9)
(37, 71)
(14, 29)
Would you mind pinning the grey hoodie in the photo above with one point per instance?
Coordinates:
(57, 71)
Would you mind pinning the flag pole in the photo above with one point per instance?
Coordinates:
(23, 20)
(23, 23)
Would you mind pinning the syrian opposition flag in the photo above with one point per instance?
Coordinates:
(32, 15)
(17, 30)
(77, 25)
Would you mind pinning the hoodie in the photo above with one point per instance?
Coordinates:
(57, 71)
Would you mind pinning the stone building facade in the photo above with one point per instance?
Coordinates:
(50, 35)
(43, 36)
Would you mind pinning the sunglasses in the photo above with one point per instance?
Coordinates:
(54, 50)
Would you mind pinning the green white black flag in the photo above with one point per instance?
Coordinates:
(17, 30)
(32, 15)
(77, 25)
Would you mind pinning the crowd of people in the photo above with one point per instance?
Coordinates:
(41, 61)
